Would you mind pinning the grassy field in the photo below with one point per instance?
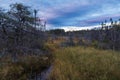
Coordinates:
(24, 68)
(79, 63)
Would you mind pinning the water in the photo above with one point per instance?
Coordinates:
(43, 75)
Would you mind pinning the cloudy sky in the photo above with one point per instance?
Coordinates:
(72, 13)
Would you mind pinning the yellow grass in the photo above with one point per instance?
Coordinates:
(79, 63)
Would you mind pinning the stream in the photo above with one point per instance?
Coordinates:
(43, 75)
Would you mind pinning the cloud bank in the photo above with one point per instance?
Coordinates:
(82, 13)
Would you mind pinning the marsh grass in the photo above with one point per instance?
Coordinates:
(22, 69)
(80, 63)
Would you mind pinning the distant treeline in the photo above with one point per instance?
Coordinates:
(105, 37)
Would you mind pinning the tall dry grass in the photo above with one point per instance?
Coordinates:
(79, 63)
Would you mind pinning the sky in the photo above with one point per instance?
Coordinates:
(72, 14)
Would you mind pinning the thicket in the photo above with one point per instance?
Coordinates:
(22, 43)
